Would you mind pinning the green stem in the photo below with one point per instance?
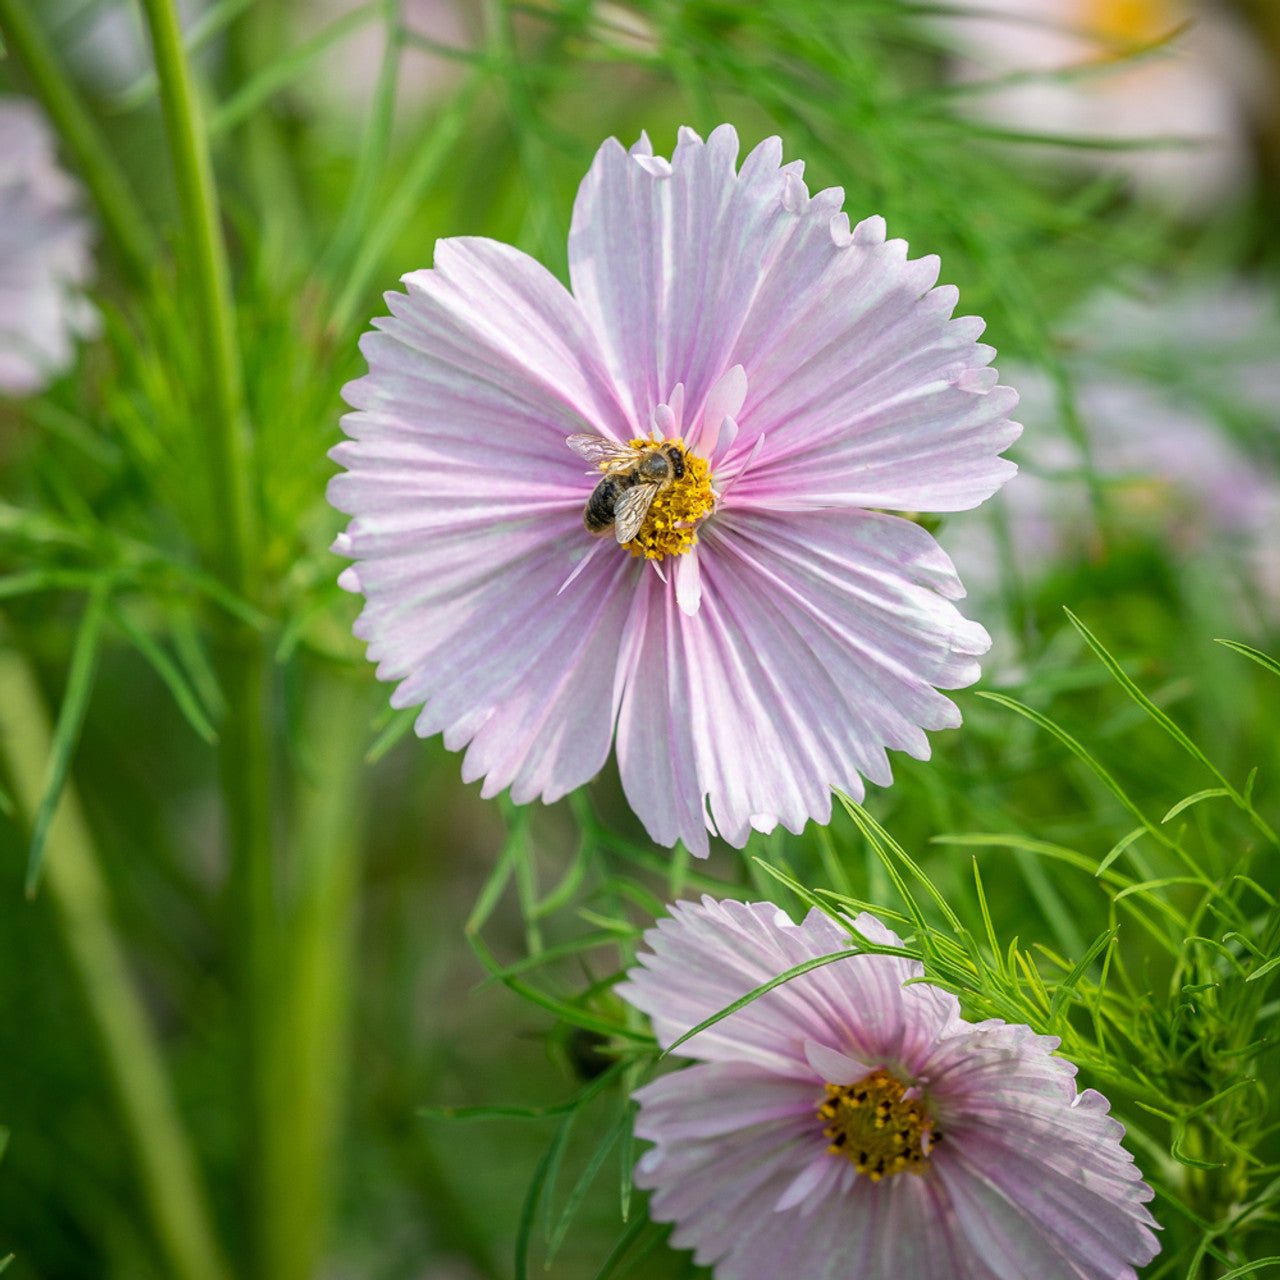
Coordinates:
(121, 215)
(317, 961)
(209, 279)
(245, 764)
(245, 757)
(166, 1165)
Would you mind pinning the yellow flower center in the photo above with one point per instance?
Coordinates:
(876, 1128)
(671, 526)
(1128, 22)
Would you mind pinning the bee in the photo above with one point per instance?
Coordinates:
(632, 479)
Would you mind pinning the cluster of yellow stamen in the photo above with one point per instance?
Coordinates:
(671, 526)
(876, 1127)
(1129, 22)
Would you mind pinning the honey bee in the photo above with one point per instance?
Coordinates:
(632, 479)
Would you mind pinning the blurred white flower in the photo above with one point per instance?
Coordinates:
(1091, 72)
(1179, 397)
(44, 255)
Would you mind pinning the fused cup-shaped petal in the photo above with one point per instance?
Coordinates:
(44, 255)
(752, 384)
(845, 1125)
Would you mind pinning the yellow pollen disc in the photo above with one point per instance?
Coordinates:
(1129, 22)
(671, 527)
(878, 1130)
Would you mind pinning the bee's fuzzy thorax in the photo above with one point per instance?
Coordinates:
(671, 526)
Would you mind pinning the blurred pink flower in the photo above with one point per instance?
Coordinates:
(341, 83)
(783, 631)
(1178, 393)
(44, 255)
(845, 1125)
(1083, 68)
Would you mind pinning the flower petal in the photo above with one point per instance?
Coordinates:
(467, 506)
(666, 264)
(853, 363)
(818, 643)
(706, 956)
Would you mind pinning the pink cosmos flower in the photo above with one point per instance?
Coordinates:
(844, 1125)
(770, 630)
(44, 255)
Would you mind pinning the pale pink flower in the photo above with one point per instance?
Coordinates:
(844, 1126)
(44, 255)
(1085, 69)
(784, 631)
(1161, 377)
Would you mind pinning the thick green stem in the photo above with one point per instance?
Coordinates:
(316, 962)
(121, 215)
(245, 754)
(208, 278)
(245, 764)
(166, 1165)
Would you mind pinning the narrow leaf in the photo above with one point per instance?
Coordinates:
(66, 733)
(1254, 655)
(183, 694)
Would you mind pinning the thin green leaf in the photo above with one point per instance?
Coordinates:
(1187, 801)
(184, 695)
(756, 992)
(622, 1246)
(1122, 679)
(1263, 969)
(626, 1157)
(285, 70)
(490, 892)
(398, 209)
(1249, 1268)
(1118, 848)
(986, 918)
(883, 840)
(569, 1013)
(528, 1210)
(395, 730)
(1254, 655)
(573, 1202)
(66, 733)
(1078, 750)
(1068, 985)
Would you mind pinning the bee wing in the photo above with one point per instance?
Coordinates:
(596, 449)
(630, 510)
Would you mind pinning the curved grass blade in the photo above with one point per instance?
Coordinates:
(1264, 660)
(1169, 725)
(1077, 749)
